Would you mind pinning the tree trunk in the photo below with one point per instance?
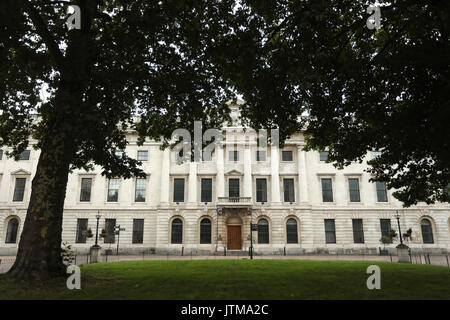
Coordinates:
(39, 253)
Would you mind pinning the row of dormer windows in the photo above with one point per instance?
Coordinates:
(233, 155)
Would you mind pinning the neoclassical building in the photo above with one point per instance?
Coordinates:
(300, 203)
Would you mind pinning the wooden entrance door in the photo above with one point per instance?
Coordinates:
(234, 238)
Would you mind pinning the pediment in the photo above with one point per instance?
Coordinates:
(22, 172)
(234, 173)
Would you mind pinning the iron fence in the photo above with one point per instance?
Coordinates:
(110, 256)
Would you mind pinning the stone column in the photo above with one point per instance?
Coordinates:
(94, 253)
(192, 192)
(275, 175)
(165, 176)
(247, 171)
(403, 253)
(220, 178)
(303, 185)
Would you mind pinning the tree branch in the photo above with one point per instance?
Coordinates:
(45, 34)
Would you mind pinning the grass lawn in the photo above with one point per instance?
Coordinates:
(240, 279)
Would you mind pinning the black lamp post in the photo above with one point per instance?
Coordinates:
(251, 238)
(96, 232)
(399, 230)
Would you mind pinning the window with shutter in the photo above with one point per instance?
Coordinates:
(263, 231)
(233, 187)
(327, 190)
(288, 188)
(113, 190)
(353, 186)
(385, 225)
(82, 226)
(177, 231)
(142, 155)
(261, 190)
(330, 231)
(19, 189)
(86, 185)
(358, 231)
(141, 190)
(25, 155)
(323, 155)
(205, 231)
(109, 227)
(178, 190)
(286, 156)
(138, 231)
(11, 231)
(206, 192)
(427, 231)
(291, 231)
(381, 192)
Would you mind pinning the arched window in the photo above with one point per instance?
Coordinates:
(205, 231)
(263, 231)
(427, 231)
(177, 231)
(11, 231)
(291, 231)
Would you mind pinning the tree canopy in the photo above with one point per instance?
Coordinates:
(174, 62)
(145, 58)
(363, 89)
(151, 59)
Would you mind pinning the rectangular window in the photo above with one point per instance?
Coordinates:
(110, 225)
(25, 155)
(82, 225)
(353, 186)
(86, 185)
(381, 192)
(119, 154)
(260, 155)
(358, 232)
(327, 190)
(206, 192)
(141, 190)
(330, 231)
(142, 155)
(286, 156)
(385, 225)
(19, 189)
(113, 190)
(323, 155)
(261, 190)
(288, 187)
(178, 190)
(233, 188)
(138, 231)
(233, 155)
(1, 154)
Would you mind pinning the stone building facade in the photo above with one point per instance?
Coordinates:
(300, 203)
